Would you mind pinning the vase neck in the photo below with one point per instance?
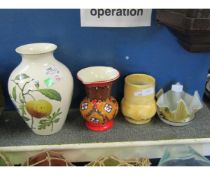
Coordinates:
(99, 93)
(37, 58)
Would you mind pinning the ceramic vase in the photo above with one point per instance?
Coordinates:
(41, 88)
(138, 104)
(98, 108)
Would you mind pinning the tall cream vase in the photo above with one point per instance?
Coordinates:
(41, 88)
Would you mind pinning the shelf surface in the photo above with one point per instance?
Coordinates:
(14, 132)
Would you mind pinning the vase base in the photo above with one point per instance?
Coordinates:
(46, 133)
(138, 122)
(100, 127)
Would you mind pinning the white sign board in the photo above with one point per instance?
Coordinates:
(115, 17)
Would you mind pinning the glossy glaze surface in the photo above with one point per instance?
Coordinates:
(41, 88)
(99, 107)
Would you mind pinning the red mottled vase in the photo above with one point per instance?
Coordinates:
(98, 108)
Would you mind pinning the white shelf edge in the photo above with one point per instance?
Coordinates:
(126, 150)
(105, 145)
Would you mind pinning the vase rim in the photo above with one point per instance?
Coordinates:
(138, 77)
(35, 48)
(97, 75)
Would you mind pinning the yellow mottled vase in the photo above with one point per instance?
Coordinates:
(138, 104)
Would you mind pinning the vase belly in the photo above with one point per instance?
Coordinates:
(138, 113)
(99, 114)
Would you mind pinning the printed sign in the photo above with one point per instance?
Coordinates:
(115, 17)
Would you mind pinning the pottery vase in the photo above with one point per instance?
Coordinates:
(98, 108)
(41, 88)
(138, 104)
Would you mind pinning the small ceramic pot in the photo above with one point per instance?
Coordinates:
(138, 105)
(177, 107)
(98, 108)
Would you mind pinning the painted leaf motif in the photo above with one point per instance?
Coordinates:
(56, 120)
(51, 94)
(21, 77)
(36, 85)
(21, 100)
(41, 127)
(22, 109)
(14, 95)
(43, 121)
(25, 118)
